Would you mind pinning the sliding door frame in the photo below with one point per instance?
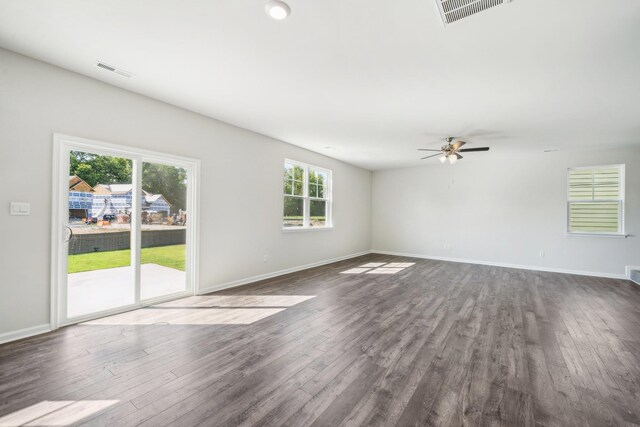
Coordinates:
(62, 145)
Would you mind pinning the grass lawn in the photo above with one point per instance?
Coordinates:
(169, 256)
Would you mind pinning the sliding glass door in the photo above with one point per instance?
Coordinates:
(164, 225)
(100, 271)
(126, 229)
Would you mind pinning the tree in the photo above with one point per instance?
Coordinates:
(169, 181)
(96, 169)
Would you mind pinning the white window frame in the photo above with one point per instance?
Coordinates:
(328, 188)
(620, 200)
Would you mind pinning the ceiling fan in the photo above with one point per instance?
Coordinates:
(452, 150)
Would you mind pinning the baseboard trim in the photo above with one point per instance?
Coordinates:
(505, 265)
(260, 277)
(24, 333)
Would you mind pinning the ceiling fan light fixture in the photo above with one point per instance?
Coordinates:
(450, 151)
(277, 9)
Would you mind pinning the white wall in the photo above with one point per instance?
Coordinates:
(501, 210)
(241, 193)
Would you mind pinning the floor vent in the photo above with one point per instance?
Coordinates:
(455, 10)
(114, 69)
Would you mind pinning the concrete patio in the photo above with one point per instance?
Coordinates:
(99, 290)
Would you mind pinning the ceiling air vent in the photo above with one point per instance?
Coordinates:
(114, 69)
(455, 10)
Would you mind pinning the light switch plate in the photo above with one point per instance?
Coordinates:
(20, 208)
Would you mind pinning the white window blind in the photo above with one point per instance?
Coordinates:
(596, 200)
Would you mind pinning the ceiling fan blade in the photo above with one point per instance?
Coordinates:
(427, 149)
(459, 156)
(467, 150)
(428, 157)
(458, 144)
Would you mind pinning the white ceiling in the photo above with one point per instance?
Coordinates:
(374, 79)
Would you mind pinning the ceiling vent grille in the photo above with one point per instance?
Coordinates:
(119, 71)
(455, 10)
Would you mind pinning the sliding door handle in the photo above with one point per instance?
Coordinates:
(68, 234)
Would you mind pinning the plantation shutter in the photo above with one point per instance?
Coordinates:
(595, 200)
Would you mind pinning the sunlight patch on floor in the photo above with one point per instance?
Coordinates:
(355, 271)
(188, 316)
(55, 413)
(207, 310)
(379, 268)
(399, 264)
(238, 301)
(384, 270)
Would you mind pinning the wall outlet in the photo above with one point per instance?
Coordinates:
(265, 258)
(446, 246)
(541, 254)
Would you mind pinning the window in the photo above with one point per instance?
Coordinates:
(596, 200)
(307, 196)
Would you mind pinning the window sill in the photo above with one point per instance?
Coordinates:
(613, 235)
(302, 229)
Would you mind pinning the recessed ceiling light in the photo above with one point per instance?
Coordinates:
(277, 10)
(328, 147)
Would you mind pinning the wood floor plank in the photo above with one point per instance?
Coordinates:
(437, 343)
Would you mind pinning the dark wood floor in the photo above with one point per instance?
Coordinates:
(433, 344)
